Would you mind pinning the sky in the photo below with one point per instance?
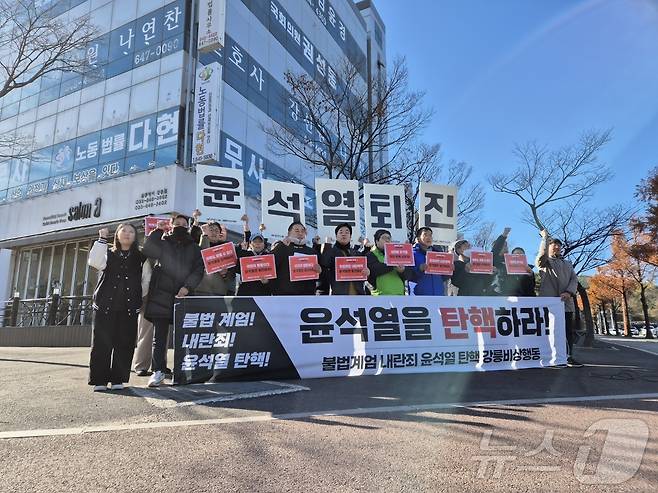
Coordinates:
(501, 72)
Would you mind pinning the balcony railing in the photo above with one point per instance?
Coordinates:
(39, 312)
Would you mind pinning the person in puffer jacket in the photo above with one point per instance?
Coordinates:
(341, 248)
(426, 284)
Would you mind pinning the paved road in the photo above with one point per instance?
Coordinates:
(646, 345)
(540, 430)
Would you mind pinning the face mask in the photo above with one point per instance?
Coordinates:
(298, 241)
(179, 232)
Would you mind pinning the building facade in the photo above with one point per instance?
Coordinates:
(114, 144)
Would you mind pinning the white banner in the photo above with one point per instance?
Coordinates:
(385, 208)
(281, 204)
(328, 336)
(212, 25)
(207, 113)
(337, 203)
(437, 210)
(220, 193)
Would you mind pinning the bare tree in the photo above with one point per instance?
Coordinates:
(337, 129)
(34, 43)
(555, 186)
(484, 237)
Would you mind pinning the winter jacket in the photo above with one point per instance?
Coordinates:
(215, 284)
(385, 279)
(328, 263)
(505, 284)
(123, 281)
(556, 276)
(179, 264)
(253, 288)
(426, 284)
(282, 285)
(470, 284)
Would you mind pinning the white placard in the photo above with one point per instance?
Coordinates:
(337, 203)
(207, 111)
(281, 204)
(220, 193)
(437, 209)
(385, 208)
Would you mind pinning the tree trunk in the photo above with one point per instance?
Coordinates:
(606, 325)
(613, 313)
(589, 322)
(625, 315)
(645, 312)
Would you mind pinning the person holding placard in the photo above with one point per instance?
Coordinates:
(220, 283)
(385, 279)
(511, 282)
(426, 284)
(293, 245)
(260, 287)
(468, 283)
(341, 248)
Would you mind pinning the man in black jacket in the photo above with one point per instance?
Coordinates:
(293, 244)
(178, 271)
(342, 248)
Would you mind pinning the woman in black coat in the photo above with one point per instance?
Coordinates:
(123, 282)
(178, 271)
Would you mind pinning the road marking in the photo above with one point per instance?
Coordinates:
(614, 342)
(313, 414)
(163, 403)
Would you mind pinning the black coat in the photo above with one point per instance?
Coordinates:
(510, 284)
(328, 284)
(282, 285)
(470, 284)
(121, 278)
(253, 288)
(179, 264)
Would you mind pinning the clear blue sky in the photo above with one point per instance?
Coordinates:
(504, 71)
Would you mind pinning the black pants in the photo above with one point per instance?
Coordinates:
(112, 346)
(160, 334)
(570, 329)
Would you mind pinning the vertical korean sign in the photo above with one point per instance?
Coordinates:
(212, 25)
(337, 203)
(282, 203)
(438, 211)
(207, 111)
(220, 193)
(385, 208)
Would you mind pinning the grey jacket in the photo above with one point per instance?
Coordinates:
(556, 276)
(215, 284)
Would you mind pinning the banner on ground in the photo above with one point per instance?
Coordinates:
(267, 337)
(438, 211)
(220, 193)
(385, 208)
(337, 203)
(281, 204)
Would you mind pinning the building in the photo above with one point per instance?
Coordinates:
(115, 144)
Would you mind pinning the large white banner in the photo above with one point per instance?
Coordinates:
(328, 336)
(207, 113)
(212, 25)
(337, 203)
(385, 208)
(220, 193)
(281, 204)
(437, 210)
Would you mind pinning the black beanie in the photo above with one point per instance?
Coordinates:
(344, 225)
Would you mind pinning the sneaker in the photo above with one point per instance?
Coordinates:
(572, 363)
(156, 379)
(99, 388)
(144, 373)
(168, 372)
(116, 386)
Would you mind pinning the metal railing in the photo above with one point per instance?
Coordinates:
(40, 312)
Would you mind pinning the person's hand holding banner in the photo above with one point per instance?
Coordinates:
(304, 267)
(219, 258)
(440, 263)
(152, 223)
(481, 263)
(516, 264)
(399, 255)
(257, 268)
(351, 269)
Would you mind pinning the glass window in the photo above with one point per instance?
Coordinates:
(140, 162)
(22, 273)
(44, 274)
(166, 156)
(81, 269)
(122, 41)
(4, 174)
(144, 99)
(141, 135)
(69, 259)
(170, 90)
(89, 119)
(63, 158)
(9, 110)
(67, 124)
(32, 276)
(87, 149)
(40, 166)
(29, 103)
(20, 169)
(71, 82)
(56, 271)
(113, 143)
(44, 131)
(116, 108)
